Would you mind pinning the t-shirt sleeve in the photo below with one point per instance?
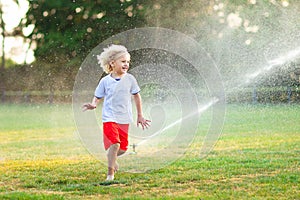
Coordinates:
(100, 90)
(134, 87)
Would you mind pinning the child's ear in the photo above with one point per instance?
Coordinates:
(111, 63)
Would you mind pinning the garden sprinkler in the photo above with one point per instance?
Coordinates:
(133, 149)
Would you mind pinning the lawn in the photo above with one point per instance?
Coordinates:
(257, 157)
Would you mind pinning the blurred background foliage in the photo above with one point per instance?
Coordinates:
(65, 31)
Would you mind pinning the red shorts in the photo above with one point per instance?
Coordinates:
(115, 133)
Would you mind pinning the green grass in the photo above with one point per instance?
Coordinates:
(257, 157)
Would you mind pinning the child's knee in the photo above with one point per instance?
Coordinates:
(115, 146)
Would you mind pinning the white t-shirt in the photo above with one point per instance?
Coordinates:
(117, 94)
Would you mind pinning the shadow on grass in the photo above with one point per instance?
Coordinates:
(107, 183)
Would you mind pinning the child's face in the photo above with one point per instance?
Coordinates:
(121, 65)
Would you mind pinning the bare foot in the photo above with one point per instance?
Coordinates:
(110, 177)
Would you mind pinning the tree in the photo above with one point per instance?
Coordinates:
(5, 34)
(235, 33)
(70, 29)
(66, 31)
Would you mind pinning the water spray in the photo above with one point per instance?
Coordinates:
(199, 111)
(281, 60)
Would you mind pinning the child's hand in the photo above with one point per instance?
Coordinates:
(88, 106)
(144, 122)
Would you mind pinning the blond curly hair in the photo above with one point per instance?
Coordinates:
(110, 54)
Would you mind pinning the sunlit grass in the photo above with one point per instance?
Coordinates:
(257, 157)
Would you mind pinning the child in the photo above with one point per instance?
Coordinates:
(116, 88)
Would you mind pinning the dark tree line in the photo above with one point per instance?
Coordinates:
(65, 31)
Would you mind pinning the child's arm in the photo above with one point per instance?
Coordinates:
(140, 119)
(91, 106)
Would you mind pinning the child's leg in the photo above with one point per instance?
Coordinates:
(123, 135)
(112, 145)
(120, 152)
(112, 157)
(116, 142)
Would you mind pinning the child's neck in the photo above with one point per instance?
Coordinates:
(116, 75)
